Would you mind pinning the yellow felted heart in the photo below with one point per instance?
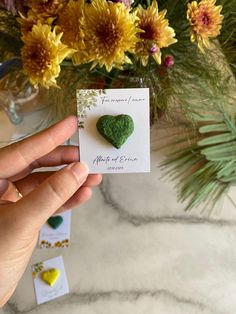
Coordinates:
(50, 276)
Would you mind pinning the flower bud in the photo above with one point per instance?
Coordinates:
(168, 61)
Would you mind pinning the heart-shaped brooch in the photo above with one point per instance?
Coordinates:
(51, 276)
(115, 129)
(55, 221)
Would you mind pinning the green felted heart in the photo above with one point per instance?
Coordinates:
(115, 129)
(55, 221)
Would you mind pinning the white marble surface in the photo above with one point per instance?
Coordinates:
(134, 250)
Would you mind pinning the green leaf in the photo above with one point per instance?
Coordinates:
(225, 158)
(221, 127)
(229, 179)
(202, 195)
(221, 149)
(227, 169)
(221, 138)
(208, 117)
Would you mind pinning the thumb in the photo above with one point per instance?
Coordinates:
(35, 208)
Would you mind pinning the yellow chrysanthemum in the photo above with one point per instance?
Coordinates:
(42, 54)
(47, 7)
(156, 33)
(110, 31)
(205, 20)
(70, 20)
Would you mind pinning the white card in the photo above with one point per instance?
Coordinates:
(56, 238)
(43, 291)
(97, 152)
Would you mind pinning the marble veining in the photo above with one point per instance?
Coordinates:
(122, 298)
(137, 220)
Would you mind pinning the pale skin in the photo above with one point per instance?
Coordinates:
(29, 199)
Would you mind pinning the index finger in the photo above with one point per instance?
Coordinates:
(16, 157)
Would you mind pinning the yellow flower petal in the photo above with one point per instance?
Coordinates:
(42, 54)
(70, 21)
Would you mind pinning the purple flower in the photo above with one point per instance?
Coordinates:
(153, 49)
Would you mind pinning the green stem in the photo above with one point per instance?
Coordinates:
(110, 79)
(231, 200)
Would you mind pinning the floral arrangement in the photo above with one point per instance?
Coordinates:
(103, 33)
(184, 51)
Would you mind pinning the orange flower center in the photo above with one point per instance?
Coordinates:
(150, 32)
(37, 58)
(107, 35)
(205, 18)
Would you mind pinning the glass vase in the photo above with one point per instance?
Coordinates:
(22, 104)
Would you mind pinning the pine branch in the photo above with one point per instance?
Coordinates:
(205, 164)
(228, 33)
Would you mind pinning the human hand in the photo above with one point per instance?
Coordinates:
(29, 199)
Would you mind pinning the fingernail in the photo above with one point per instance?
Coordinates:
(80, 170)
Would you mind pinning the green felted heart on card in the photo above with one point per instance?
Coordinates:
(55, 221)
(115, 129)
